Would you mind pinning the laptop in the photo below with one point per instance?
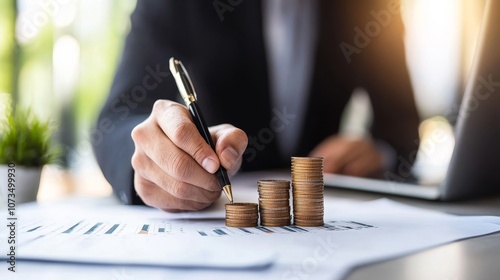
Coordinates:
(474, 167)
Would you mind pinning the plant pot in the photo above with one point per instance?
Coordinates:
(26, 182)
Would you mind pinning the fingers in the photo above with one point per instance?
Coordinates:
(156, 188)
(154, 196)
(346, 152)
(366, 165)
(175, 121)
(172, 161)
(337, 152)
(355, 157)
(230, 144)
(147, 169)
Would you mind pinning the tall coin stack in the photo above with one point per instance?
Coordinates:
(242, 215)
(274, 202)
(308, 191)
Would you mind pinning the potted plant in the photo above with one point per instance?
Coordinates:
(25, 147)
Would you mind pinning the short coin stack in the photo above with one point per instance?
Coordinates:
(274, 202)
(308, 191)
(242, 215)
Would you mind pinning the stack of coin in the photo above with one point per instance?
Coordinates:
(274, 202)
(242, 214)
(308, 191)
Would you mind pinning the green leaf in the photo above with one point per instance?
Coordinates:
(26, 140)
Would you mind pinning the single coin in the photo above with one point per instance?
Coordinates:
(241, 217)
(241, 224)
(274, 183)
(274, 212)
(276, 224)
(241, 205)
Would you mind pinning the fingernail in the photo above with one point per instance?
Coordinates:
(230, 155)
(210, 165)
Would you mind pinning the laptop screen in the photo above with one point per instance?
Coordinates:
(475, 164)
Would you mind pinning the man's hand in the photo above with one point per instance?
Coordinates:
(174, 166)
(349, 156)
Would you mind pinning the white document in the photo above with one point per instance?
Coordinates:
(145, 243)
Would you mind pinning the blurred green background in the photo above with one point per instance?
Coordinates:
(58, 57)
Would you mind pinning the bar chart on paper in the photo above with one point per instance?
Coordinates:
(96, 228)
(39, 229)
(329, 226)
(354, 233)
(170, 242)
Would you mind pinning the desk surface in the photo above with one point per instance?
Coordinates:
(476, 258)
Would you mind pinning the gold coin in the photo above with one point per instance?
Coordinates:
(276, 224)
(274, 199)
(241, 224)
(274, 206)
(239, 206)
(300, 206)
(274, 193)
(308, 191)
(307, 160)
(308, 210)
(274, 213)
(307, 198)
(308, 215)
(276, 218)
(242, 214)
(241, 217)
(283, 183)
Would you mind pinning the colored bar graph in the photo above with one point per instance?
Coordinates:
(263, 229)
(299, 228)
(363, 225)
(220, 231)
(69, 230)
(288, 229)
(93, 228)
(144, 229)
(35, 228)
(112, 229)
(245, 230)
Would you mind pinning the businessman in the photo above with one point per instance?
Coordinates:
(273, 78)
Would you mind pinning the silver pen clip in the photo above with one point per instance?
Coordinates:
(183, 81)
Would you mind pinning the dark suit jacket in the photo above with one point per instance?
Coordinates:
(227, 62)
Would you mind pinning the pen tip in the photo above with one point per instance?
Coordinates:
(228, 192)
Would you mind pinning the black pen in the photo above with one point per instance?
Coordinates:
(188, 93)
